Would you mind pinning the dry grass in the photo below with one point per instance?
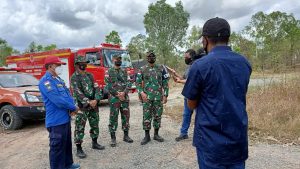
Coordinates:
(273, 110)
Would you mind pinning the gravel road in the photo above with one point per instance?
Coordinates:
(28, 148)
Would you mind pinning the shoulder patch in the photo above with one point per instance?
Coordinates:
(48, 85)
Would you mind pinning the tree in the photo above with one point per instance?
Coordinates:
(5, 50)
(50, 47)
(137, 46)
(242, 45)
(34, 47)
(113, 38)
(277, 37)
(193, 38)
(166, 28)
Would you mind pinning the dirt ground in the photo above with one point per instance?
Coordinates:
(28, 148)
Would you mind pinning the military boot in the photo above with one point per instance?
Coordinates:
(96, 146)
(80, 153)
(113, 142)
(157, 137)
(146, 138)
(126, 138)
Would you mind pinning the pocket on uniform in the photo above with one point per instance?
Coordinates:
(55, 141)
(62, 91)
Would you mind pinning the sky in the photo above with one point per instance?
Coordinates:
(85, 23)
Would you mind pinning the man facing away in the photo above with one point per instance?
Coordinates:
(217, 87)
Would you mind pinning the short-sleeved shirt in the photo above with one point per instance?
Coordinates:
(219, 82)
(57, 100)
(186, 72)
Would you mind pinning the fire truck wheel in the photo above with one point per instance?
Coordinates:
(10, 120)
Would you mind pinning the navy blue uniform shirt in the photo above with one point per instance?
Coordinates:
(57, 99)
(219, 81)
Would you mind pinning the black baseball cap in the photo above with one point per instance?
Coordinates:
(216, 27)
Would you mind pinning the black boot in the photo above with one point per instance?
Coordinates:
(146, 138)
(80, 153)
(127, 138)
(157, 137)
(97, 146)
(113, 142)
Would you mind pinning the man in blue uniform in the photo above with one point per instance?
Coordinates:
(59, 106)
(216, 86)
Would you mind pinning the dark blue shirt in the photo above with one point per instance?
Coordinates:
(57, 99)
(219, 81)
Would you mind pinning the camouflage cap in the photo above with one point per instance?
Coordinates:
(81, 59)
(116, 56)
(150, 53)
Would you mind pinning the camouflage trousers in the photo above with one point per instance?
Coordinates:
(152, 110)
(80, 122)
(117, 106)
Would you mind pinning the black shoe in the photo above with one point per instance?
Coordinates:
(157, 137)
(146, 138)
(80, 153)
(113, 142)
(126, 138)
(97, 146)
(181, 137)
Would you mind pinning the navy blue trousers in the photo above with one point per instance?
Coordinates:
(60, 154)
(203, 165)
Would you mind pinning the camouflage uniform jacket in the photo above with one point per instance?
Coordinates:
(117, 81)
(152, 81)
(85, 89)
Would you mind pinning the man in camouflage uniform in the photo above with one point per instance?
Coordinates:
(87, 95)
(152, 85)
(117, 85)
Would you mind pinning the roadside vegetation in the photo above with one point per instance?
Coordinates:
(273, 109)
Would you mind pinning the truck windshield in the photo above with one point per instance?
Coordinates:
(109, 53)
(17, 80)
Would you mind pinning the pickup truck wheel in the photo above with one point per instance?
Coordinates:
(9, 118)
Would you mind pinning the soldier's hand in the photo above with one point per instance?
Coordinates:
(144, 96)
(121, 96)
(165, 99)
(73, 113)
(93, 103)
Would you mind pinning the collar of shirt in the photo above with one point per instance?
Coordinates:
(220, 49)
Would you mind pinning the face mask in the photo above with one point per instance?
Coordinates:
(188, 60)
(82, 67)
(58, 70)
(151, 60)
(118, 63)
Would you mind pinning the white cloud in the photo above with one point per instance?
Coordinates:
(74, 23)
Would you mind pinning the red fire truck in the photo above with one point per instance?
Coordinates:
(100, 60)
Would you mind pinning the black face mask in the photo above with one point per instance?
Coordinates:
(151, 59)
(205, 47)
(118, 63)
(188, 60)
(82, 67)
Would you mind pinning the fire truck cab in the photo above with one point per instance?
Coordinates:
(100, 60)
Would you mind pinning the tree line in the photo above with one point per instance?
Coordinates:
(270, 41)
